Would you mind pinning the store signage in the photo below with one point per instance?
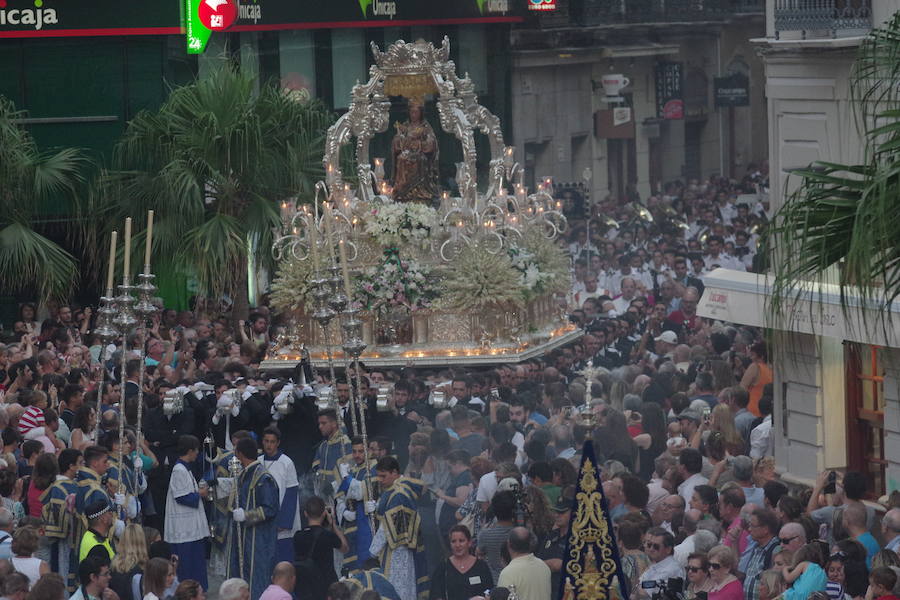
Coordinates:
(541, 4)
(35, 17)
(61, 18)
(733, 90)
(669, 90)
(205, 17)
(493, 6)
(89, 18)
(614, 124)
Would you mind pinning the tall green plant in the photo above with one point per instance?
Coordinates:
(214, 162)
(31, 179)
(842, 222)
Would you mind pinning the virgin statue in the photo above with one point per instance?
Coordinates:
(415, 154)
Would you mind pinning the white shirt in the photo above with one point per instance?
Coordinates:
(284, 473)
(683, 550)
(662, 571)
(686, 489)
(183, 523)
(622, 304)
(723, 260)
(487, 487)
(760, 439)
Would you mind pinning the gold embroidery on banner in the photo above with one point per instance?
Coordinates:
(591, 564)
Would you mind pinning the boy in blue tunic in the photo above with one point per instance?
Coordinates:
(254, 529)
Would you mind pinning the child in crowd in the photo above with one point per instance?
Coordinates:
(806, 576)
(881, 584)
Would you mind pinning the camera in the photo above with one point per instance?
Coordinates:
(671, 589)
(831, 486)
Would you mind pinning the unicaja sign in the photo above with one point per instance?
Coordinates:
(37, 17)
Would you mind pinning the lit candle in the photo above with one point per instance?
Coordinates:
(314, 243)
(149, 241)
(345, 268)
(329, 226)
(110, 269)
(126, 271)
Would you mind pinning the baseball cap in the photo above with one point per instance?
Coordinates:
(564, 501)
(691, 414)
(668, 336)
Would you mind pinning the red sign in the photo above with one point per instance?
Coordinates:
(218, 15)
(673, 109)
(541, 4)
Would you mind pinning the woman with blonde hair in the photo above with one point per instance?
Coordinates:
(722, 420)
(771, 584)
(130, 559)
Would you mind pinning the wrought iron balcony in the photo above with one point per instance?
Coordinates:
(611, 12)
(810, 19)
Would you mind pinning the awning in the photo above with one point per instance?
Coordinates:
(741, 297)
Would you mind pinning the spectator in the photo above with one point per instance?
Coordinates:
(763, 528)
(24, 544)
(659, 545)
(525, 571)
(698, 575)
(462, 576)
(237, 589)
(284, 578)
(725, 586)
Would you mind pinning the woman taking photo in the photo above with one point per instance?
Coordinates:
(462, 576)
(725, 586)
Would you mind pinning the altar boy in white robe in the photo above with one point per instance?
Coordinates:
(282, 469)
(186, 526)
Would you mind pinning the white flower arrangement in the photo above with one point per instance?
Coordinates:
(396, 223)
(534, 281)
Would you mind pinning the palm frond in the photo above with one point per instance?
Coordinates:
(214, 161)
(841, 225)
(28, 259)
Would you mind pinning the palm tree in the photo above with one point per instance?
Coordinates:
(30, 180)
(842, 224)
(214, 161)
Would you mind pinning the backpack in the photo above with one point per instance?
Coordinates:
(307, 567)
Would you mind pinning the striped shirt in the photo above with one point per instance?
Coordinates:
(31, 418)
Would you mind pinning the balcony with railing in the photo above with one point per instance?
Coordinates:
(623, 12)
(818, 19)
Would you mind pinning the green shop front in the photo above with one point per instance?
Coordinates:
(82, 70)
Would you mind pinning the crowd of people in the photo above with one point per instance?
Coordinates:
(196, 466)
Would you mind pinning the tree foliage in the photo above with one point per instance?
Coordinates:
(30, 180)
(214, 161)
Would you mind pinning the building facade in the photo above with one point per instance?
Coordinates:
(669, 122)
(837, 383)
